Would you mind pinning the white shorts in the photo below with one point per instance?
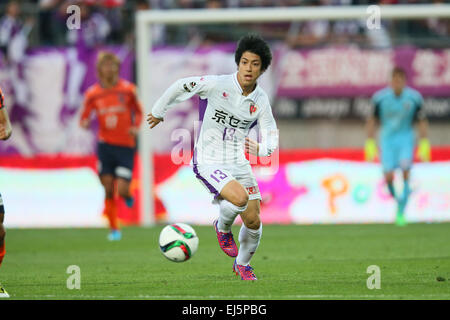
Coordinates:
(215, 177)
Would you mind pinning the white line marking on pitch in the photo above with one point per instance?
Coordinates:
(313, 296)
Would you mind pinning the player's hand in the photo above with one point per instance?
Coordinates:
(251, 146)
(153, 121)
(424, 150)
(370, 150)
(5, 132)
(134, 131)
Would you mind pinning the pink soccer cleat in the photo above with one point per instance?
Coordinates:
(246, 272)
(226, 241)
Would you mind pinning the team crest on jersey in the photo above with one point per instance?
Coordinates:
(224, 95)
(253, 108)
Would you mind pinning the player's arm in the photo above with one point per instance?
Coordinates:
(269, 135)
(370, 147)
(181, 90)
(424, 146)
(5, 124)
(85, 120)
(422, 127)
(136, 107)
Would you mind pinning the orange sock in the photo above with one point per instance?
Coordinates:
(2, 252)
(111, 213)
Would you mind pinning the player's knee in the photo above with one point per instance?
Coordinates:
(124, 189)
(108, 186)
(253, 223)
(240, 199)
(109, 190)
(406, 174)
(109, 194)
(235, 193)
(389, 177)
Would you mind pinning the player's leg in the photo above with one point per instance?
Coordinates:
(107, 181)
(251, 229)
(2, 231)
(406, 159)
(110, 210)
(406, 186)
(390, 159)
(123, 187)
(232, 201)
(124, 172)
(402, 200)
(389, 163)
(106, 168)
(389, 179)
(231, 197)
(3, 293)
(406, 191)
(249, 239)
(406, 155)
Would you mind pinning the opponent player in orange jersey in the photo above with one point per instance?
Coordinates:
(119, 115)
(5, 133)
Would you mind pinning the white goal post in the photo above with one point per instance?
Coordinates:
(144, 19)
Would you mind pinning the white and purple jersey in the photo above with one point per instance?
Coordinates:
(13, 38)
(9, 28)
(226, 115)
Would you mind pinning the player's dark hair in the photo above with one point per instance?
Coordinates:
(399, 71)
(255, 44)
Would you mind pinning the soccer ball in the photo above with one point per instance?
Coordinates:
(178, 242)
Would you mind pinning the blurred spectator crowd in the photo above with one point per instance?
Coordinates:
(43, 23)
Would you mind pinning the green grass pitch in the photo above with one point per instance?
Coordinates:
(292, 262)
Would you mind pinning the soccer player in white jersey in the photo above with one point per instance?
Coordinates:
(230, 105)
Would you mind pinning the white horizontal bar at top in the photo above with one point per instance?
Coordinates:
(242, 15)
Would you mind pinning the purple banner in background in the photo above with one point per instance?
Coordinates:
(44, 95)
(350, 72)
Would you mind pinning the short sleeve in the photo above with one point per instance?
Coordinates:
(375, 105)
(419, 113)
